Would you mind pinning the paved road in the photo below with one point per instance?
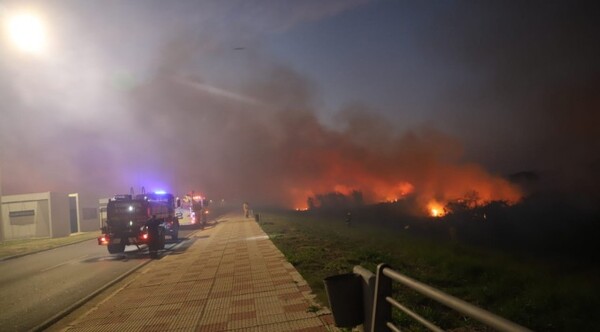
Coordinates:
(36, 287)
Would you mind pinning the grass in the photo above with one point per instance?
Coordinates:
(541, 296)
(26, 246)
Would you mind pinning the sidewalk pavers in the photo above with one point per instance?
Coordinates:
(231, 278)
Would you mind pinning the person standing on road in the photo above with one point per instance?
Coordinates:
(198, 208)
(152, 225)
(246, 209)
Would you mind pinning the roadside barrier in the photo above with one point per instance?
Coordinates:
(372, 307)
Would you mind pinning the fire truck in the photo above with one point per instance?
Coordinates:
(127, 217)
(192, 210)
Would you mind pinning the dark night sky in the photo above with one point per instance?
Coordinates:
(277, 100)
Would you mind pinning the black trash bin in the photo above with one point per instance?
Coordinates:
(344, 292)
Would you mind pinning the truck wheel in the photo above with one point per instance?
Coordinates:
(175, 234)
(116, 248)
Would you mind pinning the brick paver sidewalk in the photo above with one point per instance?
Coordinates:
(231, 278)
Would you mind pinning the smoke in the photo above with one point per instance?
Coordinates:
(533, 104)
(266, 144)
(69, 119)
(239, 125)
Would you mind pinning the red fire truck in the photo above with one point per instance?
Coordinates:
(127, 221)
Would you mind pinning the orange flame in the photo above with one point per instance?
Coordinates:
(424, 166)
(436, 209)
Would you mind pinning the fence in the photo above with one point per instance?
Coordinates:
(375, 309)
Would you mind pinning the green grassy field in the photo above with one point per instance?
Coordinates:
(543, 296)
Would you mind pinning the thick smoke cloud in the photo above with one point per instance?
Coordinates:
(96, 120)
(267, 145)
(97, 114)
(531, 102)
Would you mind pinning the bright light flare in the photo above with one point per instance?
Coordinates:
(27, 32)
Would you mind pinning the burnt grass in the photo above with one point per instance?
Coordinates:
(533, 266)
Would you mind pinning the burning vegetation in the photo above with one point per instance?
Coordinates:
(433, 208)
(420, 167)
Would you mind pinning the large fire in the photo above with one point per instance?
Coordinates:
(447, 184)
(424, 165)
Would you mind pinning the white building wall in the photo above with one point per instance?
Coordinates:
(35, 215)
(46, 215)
(88, 213)
(59, 215)
(42, 224)
(26, 216)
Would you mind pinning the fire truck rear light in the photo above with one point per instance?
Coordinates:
(145, 236)
(102, 240)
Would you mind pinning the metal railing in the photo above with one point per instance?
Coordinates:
(378, 303)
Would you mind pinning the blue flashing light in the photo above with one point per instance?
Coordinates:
(160, 192)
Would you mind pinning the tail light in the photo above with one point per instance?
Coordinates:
(103, 240)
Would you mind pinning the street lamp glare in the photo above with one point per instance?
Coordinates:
(27, 33)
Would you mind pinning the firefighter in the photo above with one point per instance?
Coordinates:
(198, 209)
(246, 209)
(152, 225)
(348, 218)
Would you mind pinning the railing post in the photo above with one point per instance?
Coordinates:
(382, 310)
(368, 294)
